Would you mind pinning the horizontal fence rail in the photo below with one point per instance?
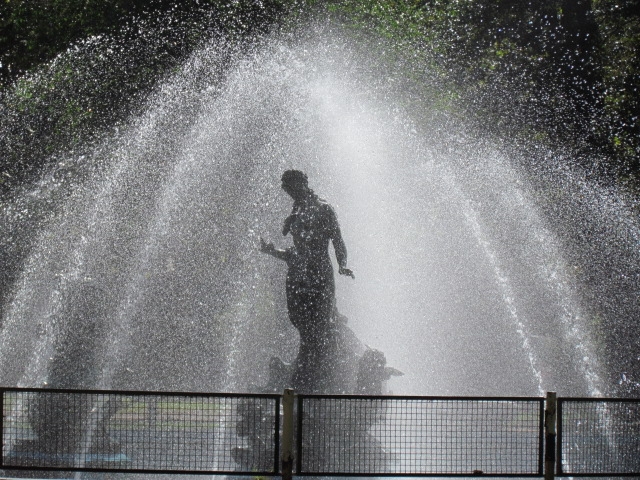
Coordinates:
(326, 435)
(402, 436)
(140, 432)
(598, 437)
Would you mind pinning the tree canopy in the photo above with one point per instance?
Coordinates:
(573, 63)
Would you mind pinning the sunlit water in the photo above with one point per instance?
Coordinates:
(460, 278)
(147, 274)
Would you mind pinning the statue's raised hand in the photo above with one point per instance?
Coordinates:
(346, 271)
(266, 247)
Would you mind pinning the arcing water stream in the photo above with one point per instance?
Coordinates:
(146, 274)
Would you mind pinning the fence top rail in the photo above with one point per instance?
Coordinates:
(276, 396)
(598, 399)
(418, 397)
(273, 396)
(419, 475)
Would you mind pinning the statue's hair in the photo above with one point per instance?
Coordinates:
(295, 177)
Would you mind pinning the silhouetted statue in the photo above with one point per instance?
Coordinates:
(330, 359)
(310, 283)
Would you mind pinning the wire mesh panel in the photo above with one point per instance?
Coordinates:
(142, 432)
(419, 436)
(599, 437)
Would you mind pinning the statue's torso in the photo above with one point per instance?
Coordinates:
(312, 227)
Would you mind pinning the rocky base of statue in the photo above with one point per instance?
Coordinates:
(336, 363)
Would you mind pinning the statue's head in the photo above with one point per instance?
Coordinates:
(295, 183)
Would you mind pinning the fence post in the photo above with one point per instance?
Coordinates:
(550, 436)
(287, 434)
(2, 424)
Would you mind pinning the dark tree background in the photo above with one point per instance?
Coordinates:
(34, 31)
(134, 43)
(575, 63)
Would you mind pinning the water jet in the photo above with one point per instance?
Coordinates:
(472, 274)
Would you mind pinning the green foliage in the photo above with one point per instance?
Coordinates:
(565, 69)
(562, 70)
(619, 57)
(90, 63)
(35, 31)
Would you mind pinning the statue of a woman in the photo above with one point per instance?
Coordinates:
(310, 282)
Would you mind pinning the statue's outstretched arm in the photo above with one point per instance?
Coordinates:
(269, 249)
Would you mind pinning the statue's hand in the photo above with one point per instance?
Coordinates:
(266, 247)
(287, 225)
(346, 271)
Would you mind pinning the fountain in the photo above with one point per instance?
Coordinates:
(469, 277)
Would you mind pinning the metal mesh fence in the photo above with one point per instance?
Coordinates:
(599, 437)
(141, 432)
(419, 436)
(237, 434)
